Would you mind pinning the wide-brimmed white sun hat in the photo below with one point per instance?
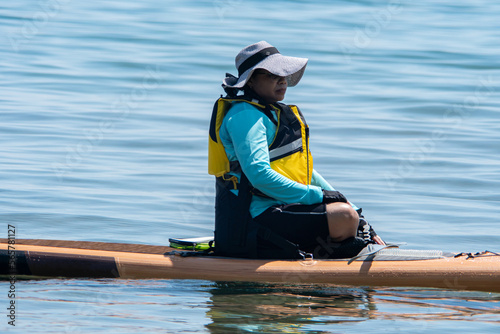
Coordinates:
(263, 55)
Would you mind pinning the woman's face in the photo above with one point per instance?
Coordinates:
(271, 88)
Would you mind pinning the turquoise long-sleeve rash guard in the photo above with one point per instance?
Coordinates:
(246, 134)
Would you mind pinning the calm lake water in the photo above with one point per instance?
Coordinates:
(104, 111)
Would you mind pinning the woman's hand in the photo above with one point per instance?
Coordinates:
(367, 233)
(333, 196)
(378, 240)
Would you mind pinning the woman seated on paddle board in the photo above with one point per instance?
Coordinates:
(270, 202)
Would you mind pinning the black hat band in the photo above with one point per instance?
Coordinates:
(255, 59)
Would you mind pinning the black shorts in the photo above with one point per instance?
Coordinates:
(305, 225)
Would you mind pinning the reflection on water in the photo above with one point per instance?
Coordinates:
(263, 308)
(266, 308)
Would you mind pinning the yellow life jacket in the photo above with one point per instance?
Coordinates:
(236, 233)
(289, 151)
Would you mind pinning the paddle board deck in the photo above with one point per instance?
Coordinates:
(36, 258)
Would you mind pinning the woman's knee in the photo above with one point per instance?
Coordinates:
(342, 220)
(343, 211)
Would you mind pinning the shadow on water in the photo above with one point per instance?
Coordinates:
(239, 307)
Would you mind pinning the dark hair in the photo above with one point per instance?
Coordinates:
(233, 91)
(248, 91)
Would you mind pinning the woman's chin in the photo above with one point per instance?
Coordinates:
(280, 95)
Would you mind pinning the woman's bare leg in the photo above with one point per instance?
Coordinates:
(342, 221)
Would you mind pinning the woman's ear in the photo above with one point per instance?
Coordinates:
(250, 83)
